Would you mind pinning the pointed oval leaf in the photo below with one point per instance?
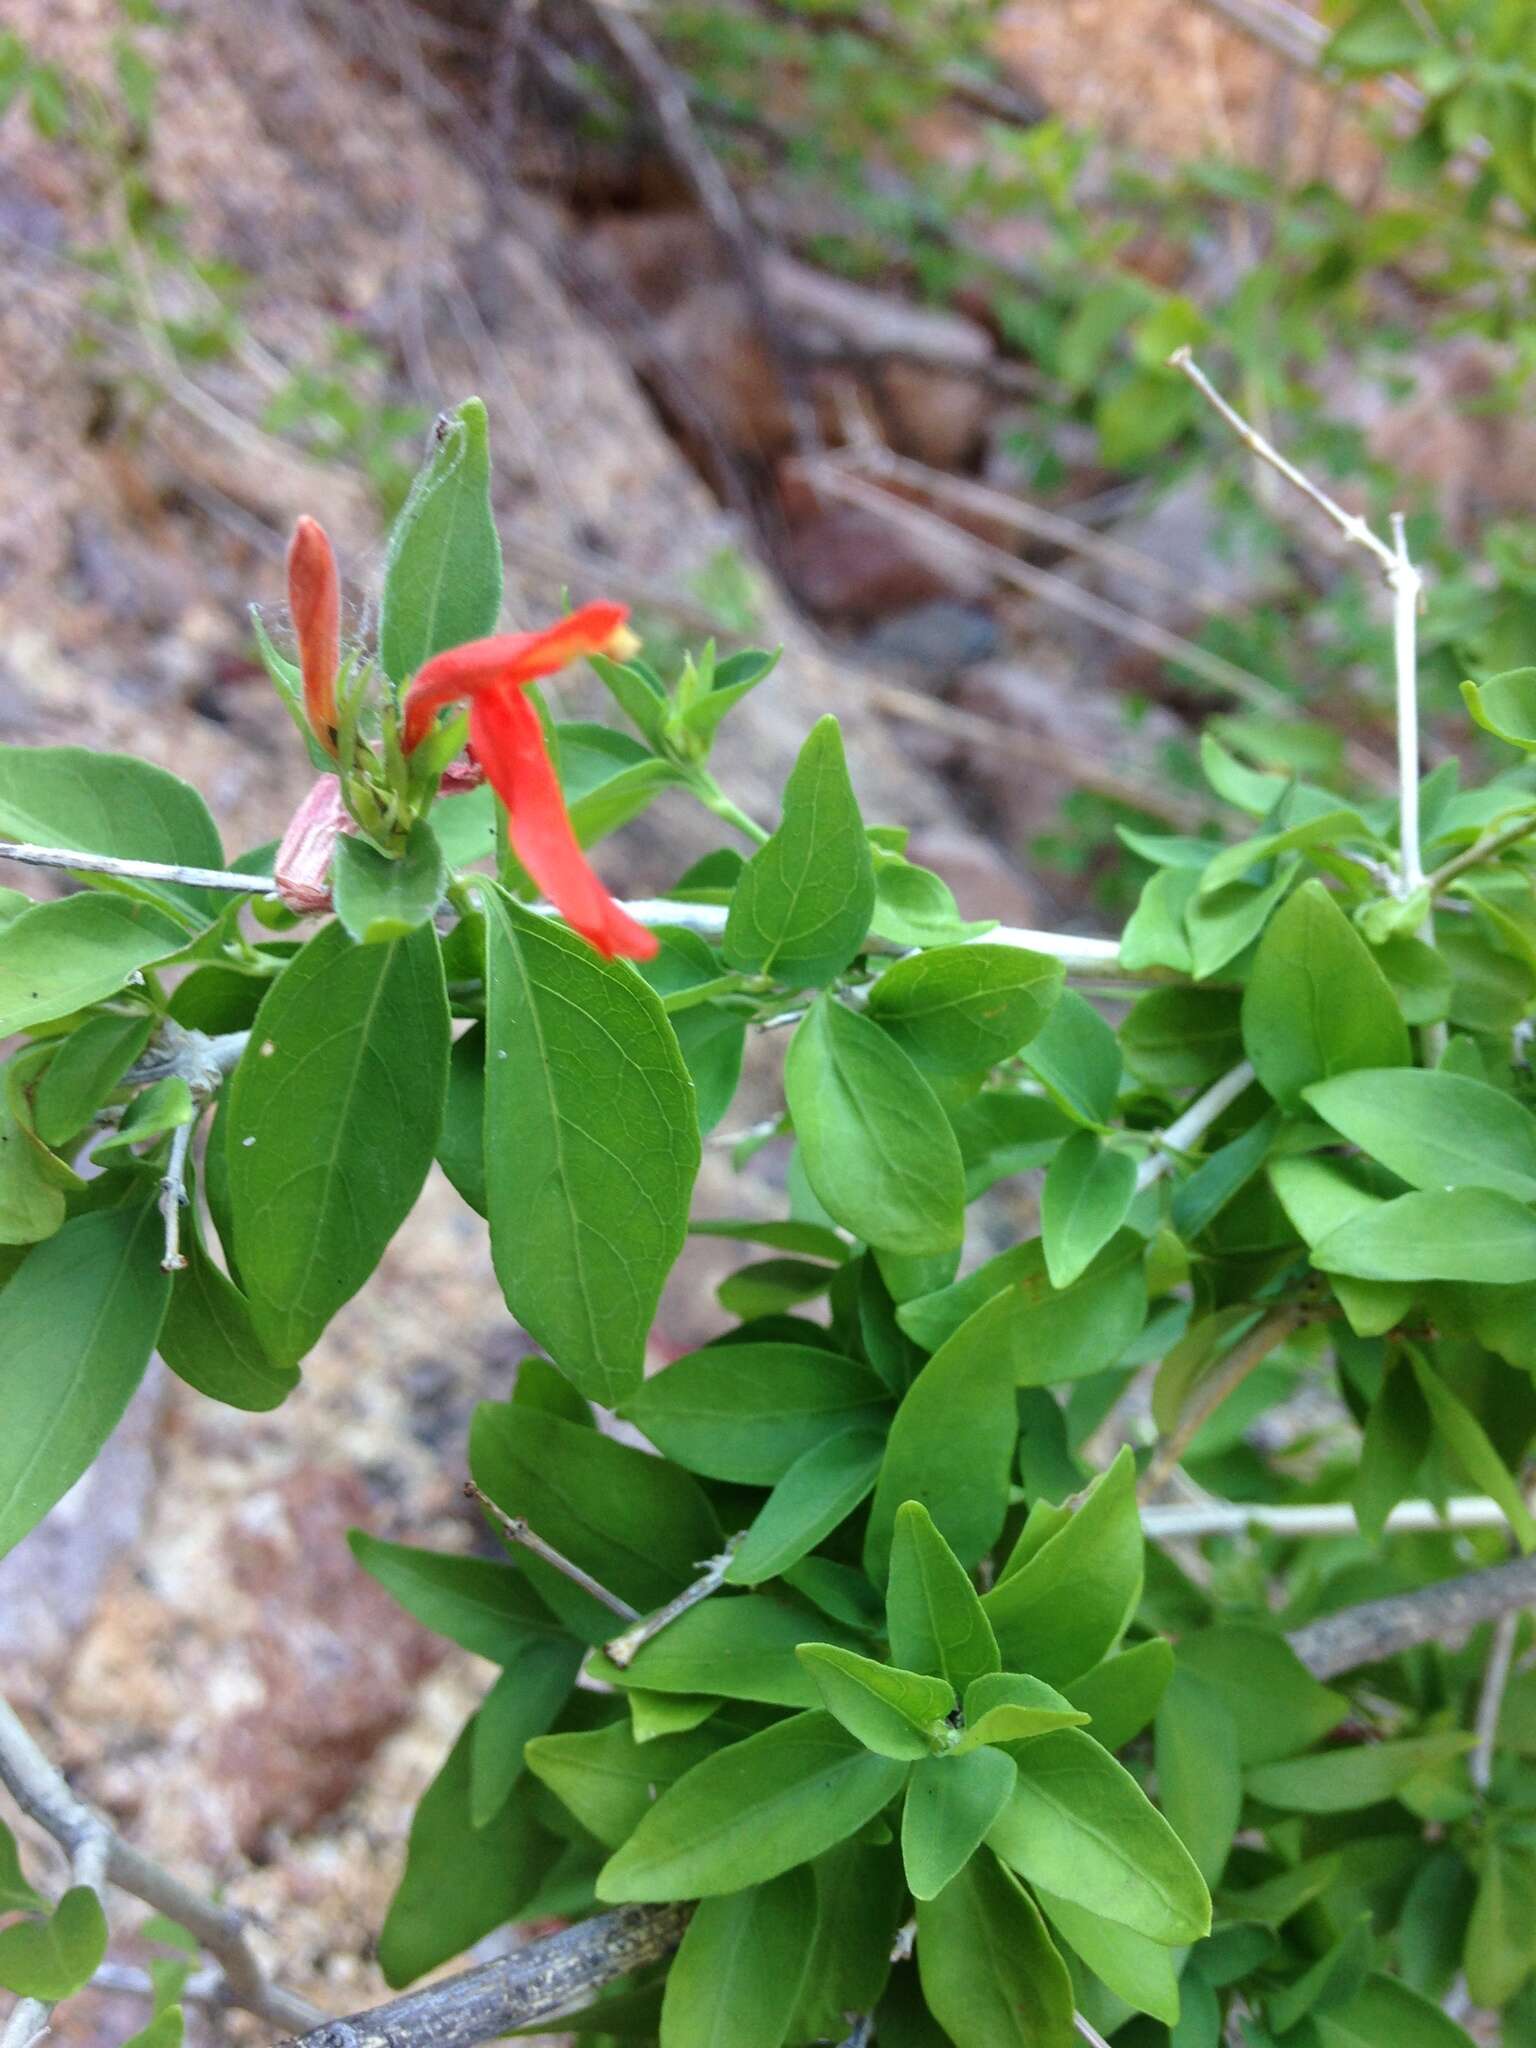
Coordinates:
(951, 1444)
(752, 1811)
(1006, 1706)
(78, 1322)
(803, 904)
(991, 1974)
(332, 1117)
(1088, 1189)
(818, 1493)
(933, 1614)
(735, 1980)
(747, 1411)
(960, 1009)
(1067, 1606)
(1473, 1234)
(1080, 1826)
(741, 1648)
(1434, 1129)
(62, 956)
(879, 1151)
(951, 1802)
(895, 1713)
(1316, 1003)
(442, 575)
(592, 1144)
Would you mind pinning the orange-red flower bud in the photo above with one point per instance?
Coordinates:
(314, 597)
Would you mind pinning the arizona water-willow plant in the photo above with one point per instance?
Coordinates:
(860, 1692)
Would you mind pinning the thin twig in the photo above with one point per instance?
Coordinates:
(1187, 1129)
(1487, 848)
(1446, 1612)
(173, 1196)
(98, 1854)
(626, 1647)
(136, 870)
(861, 2033)
(1350, 524)
(1039, 521)
(1059, 591)
(1173, 1521)
(544, 1979)
(1490, 1704)
(1406, 586)
(1208, 1393)
(517, 1530)
(1089, 2031)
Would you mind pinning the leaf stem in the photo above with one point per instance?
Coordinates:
(1209, 1393)
(714, 798)
(517, 1529)
(626, 1647)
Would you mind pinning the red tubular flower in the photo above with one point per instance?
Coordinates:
(314, 597)
(507, 741)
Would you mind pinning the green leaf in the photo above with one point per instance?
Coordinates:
(1066, 1607)
(1005, 1706)
(114, 804)
(810, 1240)
(333, 1116)
(482, 1606)
(1455, 1234)
(638, 693)
(1076, 1058)
(209, 1338)
(1277, 1706)
(50, 1958)
(379, 899)
(584, 1228)
(1155, 935)
(1081, 1827)
(895, 1713)
(636, 1523)
(64, 955)
(747, 1411)
(442, 575)
(752, 1811)
(741, 1648)
(1467, 1441)
(1506, 706)
(607, 1779)
(877, 1147)
(951, 1445)
(165, 2030)
(951, 1802)
(1088, 1190)
(1121, 1695)
(78, 1322)
(860, 1902)
(1397, 1436)
(1316, 1003)
(736, 1978)
(1224, 924)
(1050, 1334)
(1433, 1129)
(1498, 1950)
(915, 907)
(1386, 2010)
(16, 1895)
(1199, 1771)
(990, 1973)
(32, 1204)
(521, 1704)
(802, 907)
(460, 1881)
(1332, 1980)
(819, 1491)
(1134, 1968)
(934, 1616)
(86, 1069)
(1182, 1037)
(1342, 1780)
(959, 1009)
(461, 1141)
